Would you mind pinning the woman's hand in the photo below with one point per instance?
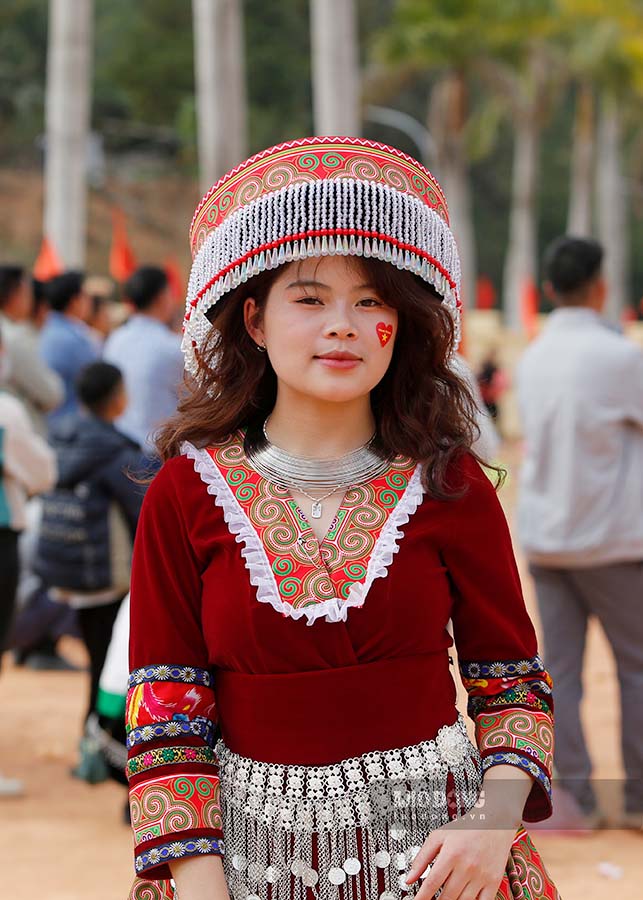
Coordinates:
(467, 863)
(468, 856)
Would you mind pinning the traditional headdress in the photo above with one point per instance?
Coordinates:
(319, 196)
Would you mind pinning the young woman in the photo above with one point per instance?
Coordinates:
(318, 520)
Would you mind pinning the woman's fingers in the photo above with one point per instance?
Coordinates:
(427, 853)
(440, 870)
(487, 894)
(456, 887)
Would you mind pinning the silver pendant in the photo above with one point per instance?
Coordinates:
(316, 510)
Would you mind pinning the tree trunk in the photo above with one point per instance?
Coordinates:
(613, 230)
(335, 67)
(219, 61)
(67, 114)
(521, 260)
(448, 112)
(579, 219)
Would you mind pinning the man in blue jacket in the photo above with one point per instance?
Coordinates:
(66, 343)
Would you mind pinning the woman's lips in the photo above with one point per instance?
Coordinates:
(332, 363)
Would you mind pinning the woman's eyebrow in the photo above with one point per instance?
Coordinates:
(307, 283)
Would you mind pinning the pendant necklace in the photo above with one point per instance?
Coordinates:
(317, 509)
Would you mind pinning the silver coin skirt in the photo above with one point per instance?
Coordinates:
(347, 831)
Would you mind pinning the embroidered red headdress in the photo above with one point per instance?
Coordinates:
(319, 196)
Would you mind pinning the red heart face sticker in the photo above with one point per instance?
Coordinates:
(384, 333)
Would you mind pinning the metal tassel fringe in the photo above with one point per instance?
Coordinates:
(346, 831)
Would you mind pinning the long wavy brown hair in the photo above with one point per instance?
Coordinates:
(423, 409)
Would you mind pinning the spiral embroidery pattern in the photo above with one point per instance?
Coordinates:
(168, 805)
(528, 733)
(310, 160)
(307, 571)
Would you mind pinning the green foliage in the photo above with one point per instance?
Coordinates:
(278, 67)
(143, 60)
(23, 54)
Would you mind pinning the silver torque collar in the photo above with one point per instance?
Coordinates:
(307, 473)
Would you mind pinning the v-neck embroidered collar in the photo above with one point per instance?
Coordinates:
(296, 573)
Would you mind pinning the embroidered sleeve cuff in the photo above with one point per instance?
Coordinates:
(154, 863)
(538, 805)
(523, 738)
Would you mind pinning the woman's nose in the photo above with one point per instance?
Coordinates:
(340, 325)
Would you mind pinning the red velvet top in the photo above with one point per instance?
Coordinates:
(287, 691)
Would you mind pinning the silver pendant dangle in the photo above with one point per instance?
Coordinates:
(316, 510)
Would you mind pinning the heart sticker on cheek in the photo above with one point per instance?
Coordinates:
(384, 333)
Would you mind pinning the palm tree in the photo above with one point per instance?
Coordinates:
(526, 85)
(606, 58)
(335, 67)
(220, 86)
(443, 39)
(521, 65)
(67, 113)
(579, 215)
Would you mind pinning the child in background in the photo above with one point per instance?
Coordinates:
(89, 520)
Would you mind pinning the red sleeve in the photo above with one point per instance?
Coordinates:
(509, 690)
(171, 715)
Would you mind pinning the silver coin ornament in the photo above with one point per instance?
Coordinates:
(272, 874)
(336, 875)
(310, 878)
(352, 865)
(298, 867)
(382, 859)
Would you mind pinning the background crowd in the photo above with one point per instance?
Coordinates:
(84, 382)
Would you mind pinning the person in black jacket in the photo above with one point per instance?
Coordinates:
(89, 519)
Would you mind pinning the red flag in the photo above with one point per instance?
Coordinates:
(48, 264)
(122, 262)
(175, 278)
(529, 308)
(486, 293)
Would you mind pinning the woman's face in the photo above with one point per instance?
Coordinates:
(326, 331)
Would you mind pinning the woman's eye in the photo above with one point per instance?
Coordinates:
(370, 302)
(308, 300)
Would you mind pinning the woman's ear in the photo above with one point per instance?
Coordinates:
(250, 317)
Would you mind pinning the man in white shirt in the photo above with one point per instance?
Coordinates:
(148, 353)
(580, 513)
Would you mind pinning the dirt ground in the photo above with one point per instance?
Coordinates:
(65, 840)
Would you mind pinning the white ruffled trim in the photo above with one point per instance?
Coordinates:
(256, 559)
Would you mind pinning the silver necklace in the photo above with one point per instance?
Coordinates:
(306, 474)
